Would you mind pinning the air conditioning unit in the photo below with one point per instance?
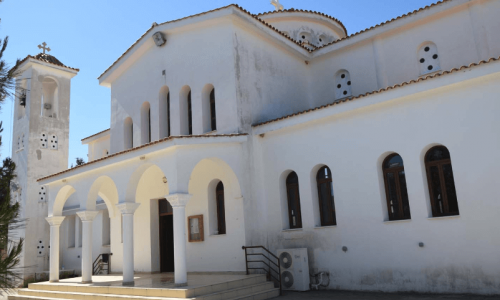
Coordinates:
(294, 269)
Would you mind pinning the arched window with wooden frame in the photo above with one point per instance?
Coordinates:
(221, 210)
(396, 192)
(190, 114)
(325, 197)
(213, 119)
(292, 190)
(441, 182)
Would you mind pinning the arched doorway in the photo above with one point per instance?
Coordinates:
(166, 221)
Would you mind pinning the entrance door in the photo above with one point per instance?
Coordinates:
(166, 236)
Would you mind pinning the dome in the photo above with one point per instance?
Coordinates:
(307, 27)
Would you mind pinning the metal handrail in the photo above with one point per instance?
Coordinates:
(97, 265)
(270, 268)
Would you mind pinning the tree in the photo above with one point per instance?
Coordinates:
(79, 161)
(9, 213)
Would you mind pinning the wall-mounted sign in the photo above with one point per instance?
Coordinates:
(195, 228)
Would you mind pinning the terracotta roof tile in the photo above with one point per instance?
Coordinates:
(95, 134)
(144, 146)
(303, 11)
(379, 91)
(385, 23)
(44, 58)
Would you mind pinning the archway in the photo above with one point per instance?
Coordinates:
(203, 183)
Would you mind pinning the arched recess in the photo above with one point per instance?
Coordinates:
(204, 178)
(147, 186)
(50, 97)
(164, 111)
(62, 196)
(105, 188)
(145, 123)
(208, 108)
(128, 133)
(184, 110)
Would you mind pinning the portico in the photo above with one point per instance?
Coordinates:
(129, 187)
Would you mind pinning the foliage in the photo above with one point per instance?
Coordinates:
(79, 161)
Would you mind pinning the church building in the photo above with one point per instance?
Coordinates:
(283, 130)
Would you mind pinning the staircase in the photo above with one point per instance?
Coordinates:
(252, 287)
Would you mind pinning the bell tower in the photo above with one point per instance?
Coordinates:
(40, 145)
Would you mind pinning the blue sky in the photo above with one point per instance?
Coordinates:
(91, 35)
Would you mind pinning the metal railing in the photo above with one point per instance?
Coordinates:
(103, 260)
(270, 263)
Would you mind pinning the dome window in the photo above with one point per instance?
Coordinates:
(428, 58)
(343, 84)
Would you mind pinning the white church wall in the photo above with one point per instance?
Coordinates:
(270, 80)
(203, 49)
(459, 252)
(99, 147)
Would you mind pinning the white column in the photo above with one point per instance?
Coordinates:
(178, 202)
(87, 217)
(55, 223)
(127, 210)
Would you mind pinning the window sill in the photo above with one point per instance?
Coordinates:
(210, 132)
(325, 227)
(430, 73)
(397, 221)
(292, 230)
(106, 245)
(444, 217)
(224, 234)
(71, 247)
(19, 150)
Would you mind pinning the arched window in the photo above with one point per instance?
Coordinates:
(128, 133)
(221, 212)
(441, 183)
(342, 84)
(292, 190)
(325, 196)
(145, 123)
(428, 58)
(190, 114)
(164, 112)
(213, 120)
(395, 188)
(49, 98)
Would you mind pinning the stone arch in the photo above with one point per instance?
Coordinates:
(143, 171)
(105, 188)
(62, 196)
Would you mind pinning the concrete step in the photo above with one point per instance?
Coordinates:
(183, 293)
(237, 292)
(84, 296)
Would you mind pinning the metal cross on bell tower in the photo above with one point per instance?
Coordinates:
(277, 5)
(44, 47)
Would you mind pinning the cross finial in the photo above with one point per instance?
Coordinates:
(277, 5)
(44, 47)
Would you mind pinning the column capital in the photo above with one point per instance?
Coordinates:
(87, 215)
(55, 220)
(128, 208)
(178, 199)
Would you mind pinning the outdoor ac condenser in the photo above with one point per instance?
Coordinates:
(294, 269)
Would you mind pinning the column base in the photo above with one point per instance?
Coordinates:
(181, 284)
(86, 282)
(53, 281)
(131, 283)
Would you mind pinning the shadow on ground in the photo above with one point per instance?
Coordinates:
(347, 295)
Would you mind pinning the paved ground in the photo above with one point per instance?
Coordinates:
(343, 295)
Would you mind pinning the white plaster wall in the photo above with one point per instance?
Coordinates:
(460, 252)
(205, 58)
(98, 148)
